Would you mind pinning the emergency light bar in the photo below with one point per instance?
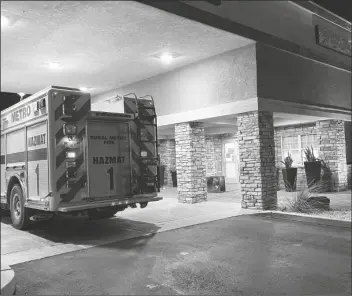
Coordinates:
(71, 154)
(70, 129)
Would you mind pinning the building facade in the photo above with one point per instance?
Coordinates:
(238, 114)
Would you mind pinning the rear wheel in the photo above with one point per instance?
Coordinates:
(19, 213)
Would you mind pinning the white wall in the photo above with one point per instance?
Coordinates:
(229, 77)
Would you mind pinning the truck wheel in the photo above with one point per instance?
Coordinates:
(19, 214)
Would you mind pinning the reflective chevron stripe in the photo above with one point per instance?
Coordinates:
(71, 194)
(58, 109)
(62, 179)
(82, 107)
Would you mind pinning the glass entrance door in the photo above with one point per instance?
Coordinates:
(231, 161)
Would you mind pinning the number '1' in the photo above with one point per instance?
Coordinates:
(37, 172)
(111, 173)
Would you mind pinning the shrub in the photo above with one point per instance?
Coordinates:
(300, 201)
(287, 161)
(309, 154)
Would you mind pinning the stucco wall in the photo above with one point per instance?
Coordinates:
(287, 77)
(220, 79)
(281, 19)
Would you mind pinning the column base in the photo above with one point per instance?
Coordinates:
(191, 199)
(258, 204)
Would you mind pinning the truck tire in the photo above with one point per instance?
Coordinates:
(19, 213)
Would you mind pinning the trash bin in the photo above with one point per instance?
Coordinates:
(216, 184)
(174, 178)
(161, 175)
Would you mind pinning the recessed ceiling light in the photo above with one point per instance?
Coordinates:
(54, 65)
(4, 21)
(166, 58)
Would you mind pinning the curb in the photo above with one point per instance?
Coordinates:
(306, 219)
(8, 282)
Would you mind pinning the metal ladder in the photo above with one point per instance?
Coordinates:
(146, 115)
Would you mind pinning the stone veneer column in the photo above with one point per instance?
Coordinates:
(257, 160)
(168, 159)
(213, 164)
(190, 162)
(332, 149)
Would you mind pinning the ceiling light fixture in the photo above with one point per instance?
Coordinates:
(166, 58)
(4, 21)
(54, 65)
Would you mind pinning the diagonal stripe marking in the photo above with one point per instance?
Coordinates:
(128, 108)
(58, 110)
(59, 135)
(60, 158)
(82, 112)
(62, 180)
(74, 190)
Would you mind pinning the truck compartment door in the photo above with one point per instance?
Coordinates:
(108, 156)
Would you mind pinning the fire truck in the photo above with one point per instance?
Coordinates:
(59, 156)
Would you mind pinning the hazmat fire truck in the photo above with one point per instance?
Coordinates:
(59, 156)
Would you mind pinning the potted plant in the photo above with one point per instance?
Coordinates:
(326, 176)
(312, 167)
(289, 174)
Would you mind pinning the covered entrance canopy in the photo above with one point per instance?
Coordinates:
(218, 83)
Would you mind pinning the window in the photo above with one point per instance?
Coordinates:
(295, 146)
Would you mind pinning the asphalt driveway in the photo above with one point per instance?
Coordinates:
(244, 255)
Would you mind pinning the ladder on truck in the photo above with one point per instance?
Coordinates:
(146, 138)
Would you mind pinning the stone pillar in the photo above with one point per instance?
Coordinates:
(257, 160)
(213, 163)
(190, 162)
(332, 149)
(168, 159)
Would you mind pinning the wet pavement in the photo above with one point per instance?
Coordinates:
(244, 255)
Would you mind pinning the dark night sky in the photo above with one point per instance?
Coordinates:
(8, 99)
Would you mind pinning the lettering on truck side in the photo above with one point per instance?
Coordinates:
(108, 159)
(109, 140)
(21, 113)
(36, 140)
(119, 138)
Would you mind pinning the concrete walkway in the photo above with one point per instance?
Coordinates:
(8, 282)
